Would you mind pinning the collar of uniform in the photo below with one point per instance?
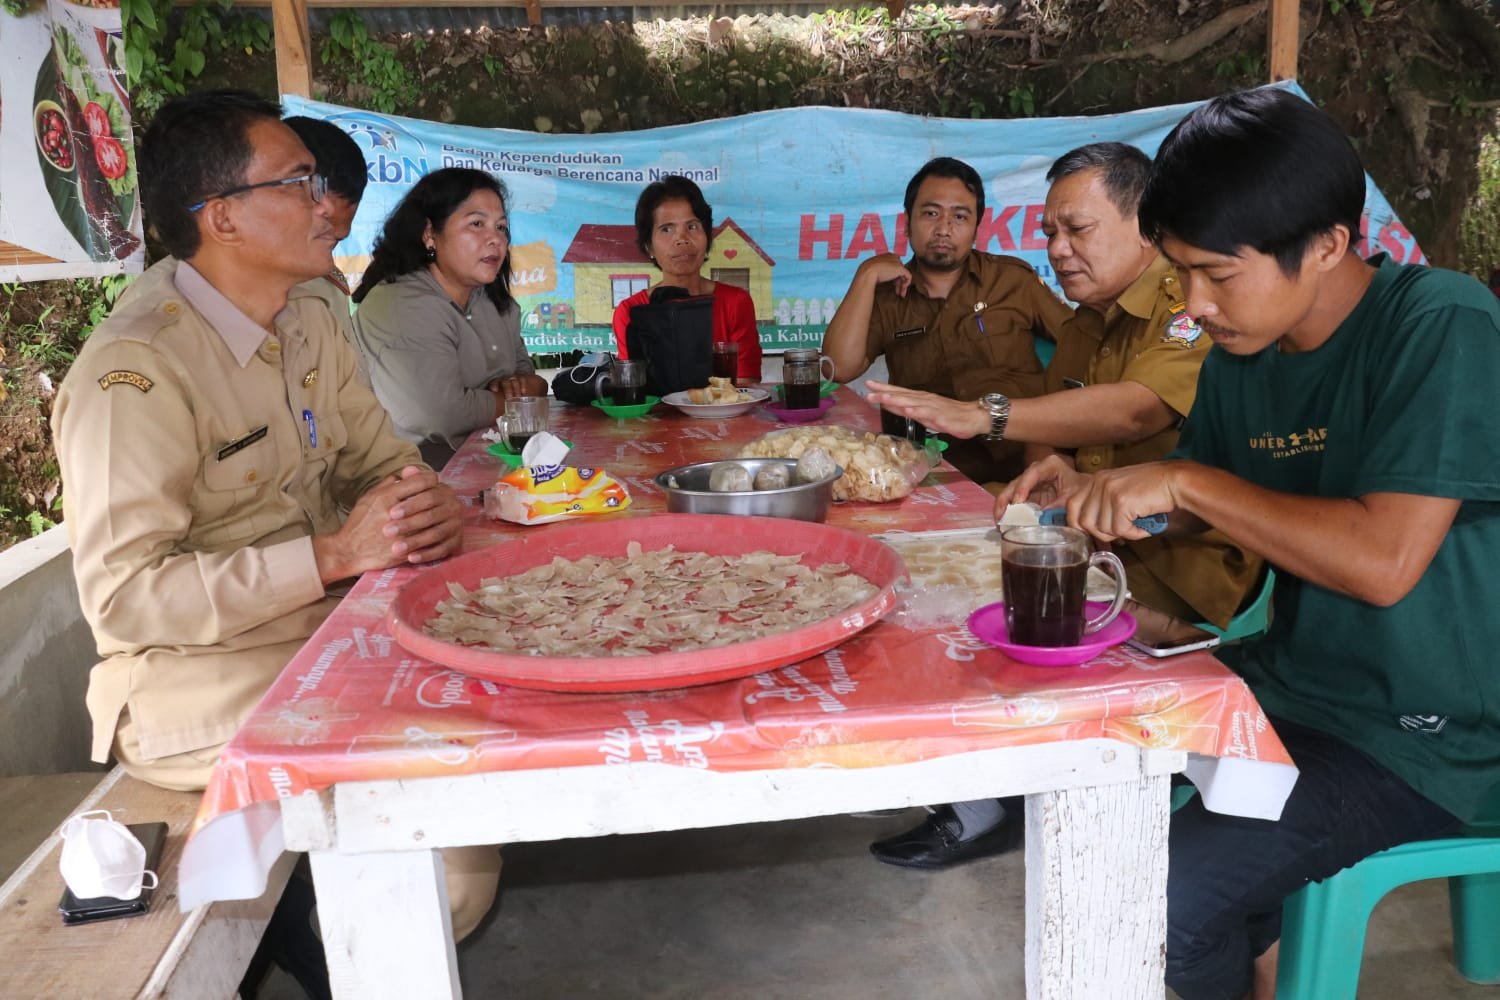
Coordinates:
(241, 334)
(1140, 298)
(972, 266)
(425, 276)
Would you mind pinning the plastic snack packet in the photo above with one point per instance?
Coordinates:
(543, 493)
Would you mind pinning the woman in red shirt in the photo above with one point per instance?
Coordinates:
(673, 225)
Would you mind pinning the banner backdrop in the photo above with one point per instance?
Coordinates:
(68, 199)
(799, 197)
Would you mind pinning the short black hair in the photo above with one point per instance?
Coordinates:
(1123, 168)
(1262, 169)
(433, 199)
(338, 156)
(947, 166)
(196, 146)
(669, 187)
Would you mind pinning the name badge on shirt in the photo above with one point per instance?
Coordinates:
(1072, 383)
(915, 331)
(240, 444)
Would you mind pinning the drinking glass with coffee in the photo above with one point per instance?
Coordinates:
(525, 417)
(1044, 572)
(624, 384)
(726, 359)
(896, 425)
(802, 377)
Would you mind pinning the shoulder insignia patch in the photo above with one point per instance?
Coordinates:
(141, 382)
(1181, 330)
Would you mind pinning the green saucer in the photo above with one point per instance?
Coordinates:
(627, 412)
(502, 451)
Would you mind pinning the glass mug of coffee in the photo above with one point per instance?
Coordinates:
(802, 377)
(624, 384)
(726, 359)
(525, 417)
(1044, 572)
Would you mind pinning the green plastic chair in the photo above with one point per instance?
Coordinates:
(1323, 924)
(1253, 620)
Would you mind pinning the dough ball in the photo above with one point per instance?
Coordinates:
(773, 477)
(729, 477)
(815, 465)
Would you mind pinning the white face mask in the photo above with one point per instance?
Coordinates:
(100, 857)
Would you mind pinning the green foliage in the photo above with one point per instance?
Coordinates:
(1022, 101)
(49, 340)
(1479, 229)
(37, 522)
(1366, 7)
(15, 8)
(161, 62)
(1242, 65)
(352, 53)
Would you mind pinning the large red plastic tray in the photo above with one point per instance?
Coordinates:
(712, 533)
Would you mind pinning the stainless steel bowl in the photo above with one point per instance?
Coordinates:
(687, 492)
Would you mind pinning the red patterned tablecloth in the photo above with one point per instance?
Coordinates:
(354, 705)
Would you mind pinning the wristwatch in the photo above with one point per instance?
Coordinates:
(998, 406)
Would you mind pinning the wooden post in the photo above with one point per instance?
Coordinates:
(534, 13)
(1282, 42)
(895, 7)
(293, 47)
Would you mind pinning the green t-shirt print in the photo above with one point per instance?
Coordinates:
(1403, 398)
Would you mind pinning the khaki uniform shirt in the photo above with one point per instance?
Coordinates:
(977, 340)
(199, 455)
(334, 291)
(1147, 337)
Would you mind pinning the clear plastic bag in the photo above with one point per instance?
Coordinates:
(877, 467)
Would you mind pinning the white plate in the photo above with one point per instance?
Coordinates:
(749, 400)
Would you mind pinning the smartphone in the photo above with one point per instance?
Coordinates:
(1160, 634)
(83, 911)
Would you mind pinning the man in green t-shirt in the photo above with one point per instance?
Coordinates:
(1344, 430)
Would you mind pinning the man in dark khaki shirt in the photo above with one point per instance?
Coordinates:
(1124, 376)
(952, 320)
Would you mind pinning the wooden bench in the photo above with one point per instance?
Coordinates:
(164, 953)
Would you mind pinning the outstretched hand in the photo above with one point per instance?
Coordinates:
(939, 413)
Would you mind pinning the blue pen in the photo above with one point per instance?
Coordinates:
(312, 427)
(1152, 525)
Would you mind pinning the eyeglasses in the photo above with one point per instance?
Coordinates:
(317, 188)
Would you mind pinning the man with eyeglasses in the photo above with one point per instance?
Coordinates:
(210, 433)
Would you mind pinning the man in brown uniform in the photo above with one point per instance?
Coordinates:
(209, 434)
(1123, 378)
(953, 320)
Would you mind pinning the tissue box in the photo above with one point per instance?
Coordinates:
(539, 494)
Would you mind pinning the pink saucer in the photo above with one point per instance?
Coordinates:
(786, 416)
(988, 624)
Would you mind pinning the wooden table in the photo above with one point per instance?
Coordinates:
(376, 758)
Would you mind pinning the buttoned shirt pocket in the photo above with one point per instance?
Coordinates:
(915, 356)
(314, 484)
(235, 503)
(1001, 336)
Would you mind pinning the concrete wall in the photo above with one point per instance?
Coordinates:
(46, 651)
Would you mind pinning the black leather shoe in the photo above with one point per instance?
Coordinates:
(935, 845)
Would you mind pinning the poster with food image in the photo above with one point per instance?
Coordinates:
(69, 204)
